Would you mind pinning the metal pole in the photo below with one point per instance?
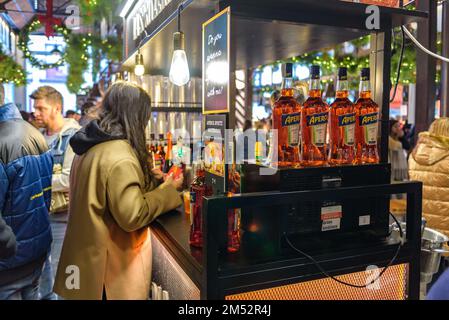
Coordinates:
(444, 65)
(426, 67)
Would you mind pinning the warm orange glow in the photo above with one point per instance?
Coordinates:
(392, 286)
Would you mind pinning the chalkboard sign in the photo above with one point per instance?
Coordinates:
(216, 65)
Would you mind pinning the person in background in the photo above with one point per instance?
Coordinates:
(25, 193)
(407, 140)
(248, 146)
(48, 105)
(89, 111)
(429, 163)
(396, 153)
(114, 197)
(247, 125)
(25, 116)
(70, 114)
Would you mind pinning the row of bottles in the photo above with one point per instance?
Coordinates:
(156, 149)
(199, 189)
(302, 130)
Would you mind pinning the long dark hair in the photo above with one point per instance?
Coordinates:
(125, 112)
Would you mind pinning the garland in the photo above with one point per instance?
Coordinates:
(11, 71)
(77, 59)
(24, 39)
(332, 58)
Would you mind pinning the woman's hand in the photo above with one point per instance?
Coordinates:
(157, 173)
(177, 183)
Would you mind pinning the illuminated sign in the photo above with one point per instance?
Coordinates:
(146, 12)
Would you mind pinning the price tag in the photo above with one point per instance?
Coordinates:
(331, 217)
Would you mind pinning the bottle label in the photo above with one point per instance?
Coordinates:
(347, 122)
(157, 161)
(292, 122)
(369, 124)
(192, 206)
(318, 125)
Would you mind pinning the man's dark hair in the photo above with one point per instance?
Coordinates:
(25, 115)
(69, 113)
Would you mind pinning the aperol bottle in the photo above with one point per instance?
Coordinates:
(367, 116)
(198, 189)
(315, 116)
(286, 120)
(342, 120)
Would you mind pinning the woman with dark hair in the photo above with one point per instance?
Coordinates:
(114, 197)
(396, 153)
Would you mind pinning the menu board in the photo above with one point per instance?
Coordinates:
(215, 142)
(216, 45)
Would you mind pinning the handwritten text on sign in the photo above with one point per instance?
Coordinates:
(216, 64)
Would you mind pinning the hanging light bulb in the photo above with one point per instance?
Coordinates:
(179, 70)
(139, 69)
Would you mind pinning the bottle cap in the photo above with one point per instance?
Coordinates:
(365, 74)
(315, 72)
(342, 73)
(287, 70)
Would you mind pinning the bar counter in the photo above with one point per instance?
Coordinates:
(263, 269)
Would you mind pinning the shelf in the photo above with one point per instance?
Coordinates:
(186, 109)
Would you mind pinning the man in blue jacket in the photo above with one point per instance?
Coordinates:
(25, 192)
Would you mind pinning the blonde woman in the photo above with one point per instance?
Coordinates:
(429, 163)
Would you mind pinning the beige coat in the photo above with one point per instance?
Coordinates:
(429, 163)
(107, 238)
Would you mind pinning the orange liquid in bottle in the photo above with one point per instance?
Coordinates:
(314, 120)
(367, 115)
(342, 122)
(286, 120)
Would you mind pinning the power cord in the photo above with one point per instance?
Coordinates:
(420, 46)
(398, 72)
(324, 272)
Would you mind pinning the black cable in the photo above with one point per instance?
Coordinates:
(324, 272)
(179, 17)
(398, 74)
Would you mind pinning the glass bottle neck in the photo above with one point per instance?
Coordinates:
(287, 90)
(365, 89)
(342, 89)
(315, 88)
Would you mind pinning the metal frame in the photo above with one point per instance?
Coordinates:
(218, 280)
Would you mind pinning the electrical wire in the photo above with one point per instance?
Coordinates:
(398, 72)
(325, 273)
(420, 46)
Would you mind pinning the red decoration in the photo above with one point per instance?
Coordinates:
(49, 20)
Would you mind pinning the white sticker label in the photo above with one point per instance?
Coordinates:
(364, 220)
(331, 224)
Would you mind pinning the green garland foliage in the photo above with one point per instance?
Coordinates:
(330, 59)
(11, 71)
(95, 10)
(78, 61)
